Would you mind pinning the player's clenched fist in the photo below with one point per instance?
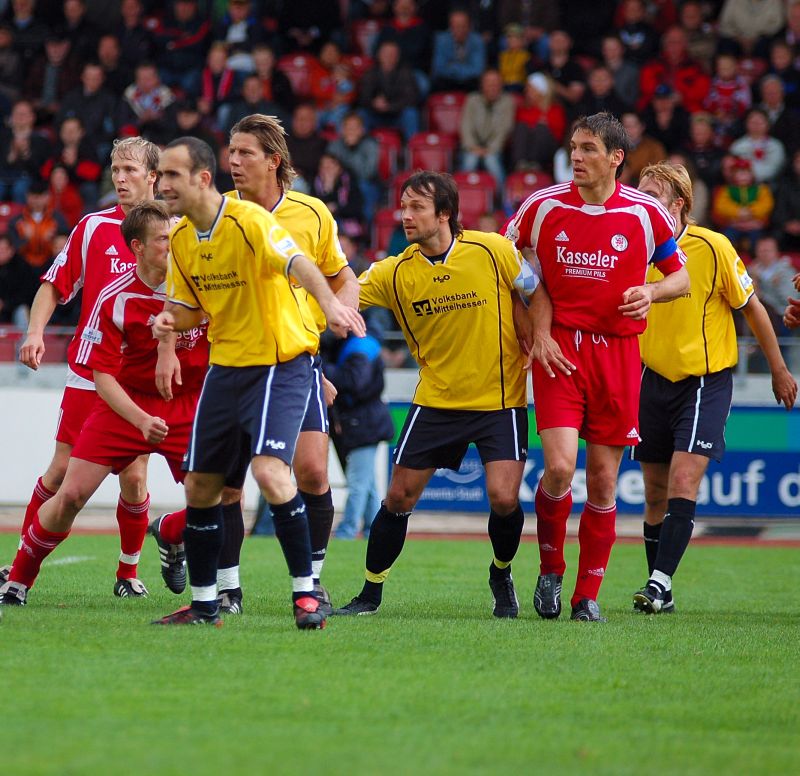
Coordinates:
(154, 430)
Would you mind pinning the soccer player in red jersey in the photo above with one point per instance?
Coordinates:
(130, 418)
(95, 254)
(593, 239)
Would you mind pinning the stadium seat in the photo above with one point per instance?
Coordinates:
(297, 68)
(7, 211)
(56, 346)
(520, 185)
(476, 192)
(443, 112)
(431, 151)
(358, 64)
(384, 223)
(394, 187)
(390, 147)
(8, 345)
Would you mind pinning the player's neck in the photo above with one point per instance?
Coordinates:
(599, 193)
(268, 197)
(437, 244)
(127, 208)
(152, 277)
(205, 212)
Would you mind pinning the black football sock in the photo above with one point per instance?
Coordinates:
(320, 520)
(386, 539)
(234, 535)
(291, 529)
(505, 533)
(652, 533)
(676, 532)
(203, 538)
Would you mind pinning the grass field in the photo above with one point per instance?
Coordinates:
(431, 685)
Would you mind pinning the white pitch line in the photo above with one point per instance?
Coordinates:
(70, 559)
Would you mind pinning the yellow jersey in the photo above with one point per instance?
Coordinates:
(237, 274)
(457, 319)
(694, 335)
(314, 229)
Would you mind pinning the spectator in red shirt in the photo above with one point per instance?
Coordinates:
(673, 67)
(540, 125)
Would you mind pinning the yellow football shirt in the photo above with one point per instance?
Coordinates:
(314, 229)
(694, 335)
(237, 273)
(457, 320)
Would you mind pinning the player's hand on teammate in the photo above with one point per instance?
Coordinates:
(32, 351)
(329, 391)
(784, 387)
(791, 315)
(154, 430)
(796, 281)
(168, 368)
(636, 302)
(343, 320)
(163, 325)
(547, 352)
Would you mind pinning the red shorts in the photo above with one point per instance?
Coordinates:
(109, 440)
(601, 398)
(76, 406)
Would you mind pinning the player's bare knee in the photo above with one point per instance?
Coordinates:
(231, 495)
(71, 500)
(503, 502)
(557, 477)
(312, 479)
(399, 499)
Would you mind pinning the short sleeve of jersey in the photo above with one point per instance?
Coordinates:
(178, 289)
(375, 285)
(737, 285)
(330, 256)
(667, 256)
(101, 345)
(66, 271)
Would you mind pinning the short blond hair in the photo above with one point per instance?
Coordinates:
(676, 176)
(139, 149)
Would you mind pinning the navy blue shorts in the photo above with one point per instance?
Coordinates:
(316, 418)
(247, 411)
(688, 416)
(439, 439)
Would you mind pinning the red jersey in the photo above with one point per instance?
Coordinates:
(94, 255)
(117, 338)
(590, 255)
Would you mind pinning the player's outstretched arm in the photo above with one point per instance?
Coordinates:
(341, 319)
(153, 429)
(345, 286)
(636, 300)
(784, 386)
(44, 303)
(176, 318)
(544, 348)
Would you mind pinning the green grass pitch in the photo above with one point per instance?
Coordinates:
(431, 685)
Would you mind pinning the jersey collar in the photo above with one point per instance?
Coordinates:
(206, 236)
(440, 258)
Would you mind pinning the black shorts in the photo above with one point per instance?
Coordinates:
(247, 411)
(316, 418)
(688, 416)
(438, 439)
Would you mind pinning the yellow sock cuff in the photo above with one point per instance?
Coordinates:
(501, 564)
(378, 579)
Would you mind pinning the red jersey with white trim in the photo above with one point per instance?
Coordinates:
(589, 255)
(95, 254)
(117, 338)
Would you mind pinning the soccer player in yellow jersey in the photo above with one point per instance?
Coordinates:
(262, 172)
(231, 261)
(451, 292)
(689, 351)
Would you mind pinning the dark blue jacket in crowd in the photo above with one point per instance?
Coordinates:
(359, 417)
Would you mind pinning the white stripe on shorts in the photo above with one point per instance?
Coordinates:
(516, 435)
(320, 397)
(264, 409)
(696, 414)
(408, 434)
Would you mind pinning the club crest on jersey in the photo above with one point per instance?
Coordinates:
(619, 242)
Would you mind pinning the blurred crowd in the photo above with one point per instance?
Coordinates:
(370, 89)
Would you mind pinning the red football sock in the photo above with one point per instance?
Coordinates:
(596, 536)
(40, 495)
(37, 544)
(132, 521)
(172, 525)
(551, 529)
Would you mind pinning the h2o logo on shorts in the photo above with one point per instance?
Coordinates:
(275, 445)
